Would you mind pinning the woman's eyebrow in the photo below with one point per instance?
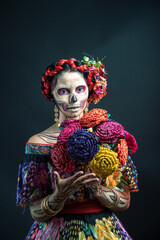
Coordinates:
(67, 87)
(62, 86)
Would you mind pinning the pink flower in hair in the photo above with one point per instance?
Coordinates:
(98, 91)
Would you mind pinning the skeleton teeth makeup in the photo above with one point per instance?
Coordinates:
(71, 93)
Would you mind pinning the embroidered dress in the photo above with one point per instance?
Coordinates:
(83, 217)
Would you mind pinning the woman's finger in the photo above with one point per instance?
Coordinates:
(93, 185)
(85, 177)
(56, 177)
(75, 176)
(93, 181)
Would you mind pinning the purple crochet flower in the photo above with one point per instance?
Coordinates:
(82, 145)
(108, 132)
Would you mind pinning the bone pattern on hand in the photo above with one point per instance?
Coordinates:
(66, 187)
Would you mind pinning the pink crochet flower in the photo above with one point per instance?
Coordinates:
(131, 142)
(66, 122)
(60, 158)
(108, 132)
(67, 131)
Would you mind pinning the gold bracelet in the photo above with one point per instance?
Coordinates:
(46, 208)
(116, 201)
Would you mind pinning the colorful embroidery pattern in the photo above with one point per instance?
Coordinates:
(130, 175)
(38, 149)
(96, 226)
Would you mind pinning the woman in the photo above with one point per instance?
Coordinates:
(78, 170)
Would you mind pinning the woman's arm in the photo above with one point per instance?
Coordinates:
(38, 211)
(111, 198)
(48, 207)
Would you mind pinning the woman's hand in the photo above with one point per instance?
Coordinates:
(66, 187)
(110, 197)
(94, 186)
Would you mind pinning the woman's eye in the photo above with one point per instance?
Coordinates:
(80, 89)
(63, 91)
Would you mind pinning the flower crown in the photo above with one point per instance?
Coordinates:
(98, 78)
(94, 73)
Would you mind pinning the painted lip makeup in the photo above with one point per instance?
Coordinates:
(74, 108)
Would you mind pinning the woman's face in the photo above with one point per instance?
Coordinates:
(71, 93)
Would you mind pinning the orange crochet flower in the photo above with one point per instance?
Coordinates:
(122, 149)
(93, 118)
(114, 179)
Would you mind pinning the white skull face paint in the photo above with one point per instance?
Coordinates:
(71, 93)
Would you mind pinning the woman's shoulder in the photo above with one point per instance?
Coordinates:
(48, 136)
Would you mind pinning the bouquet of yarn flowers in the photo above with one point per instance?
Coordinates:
(95, 141)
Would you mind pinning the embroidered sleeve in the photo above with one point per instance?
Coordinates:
(34, 178)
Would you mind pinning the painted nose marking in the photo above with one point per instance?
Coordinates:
(73, 98)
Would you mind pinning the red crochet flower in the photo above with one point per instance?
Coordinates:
(122, 149)
(93, 118)
(131, 142)
(60, 158)
(67, 131)
(108, 132)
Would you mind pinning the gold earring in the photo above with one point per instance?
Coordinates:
(56, 114)
(86, 108)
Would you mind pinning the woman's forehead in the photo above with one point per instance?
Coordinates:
(70, 79)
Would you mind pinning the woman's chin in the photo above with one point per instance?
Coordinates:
(74, 114)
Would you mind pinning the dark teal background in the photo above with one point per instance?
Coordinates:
(36, 33)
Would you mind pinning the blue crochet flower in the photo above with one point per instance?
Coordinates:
(82, 145)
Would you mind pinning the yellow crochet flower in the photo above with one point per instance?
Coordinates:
(105, 162)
